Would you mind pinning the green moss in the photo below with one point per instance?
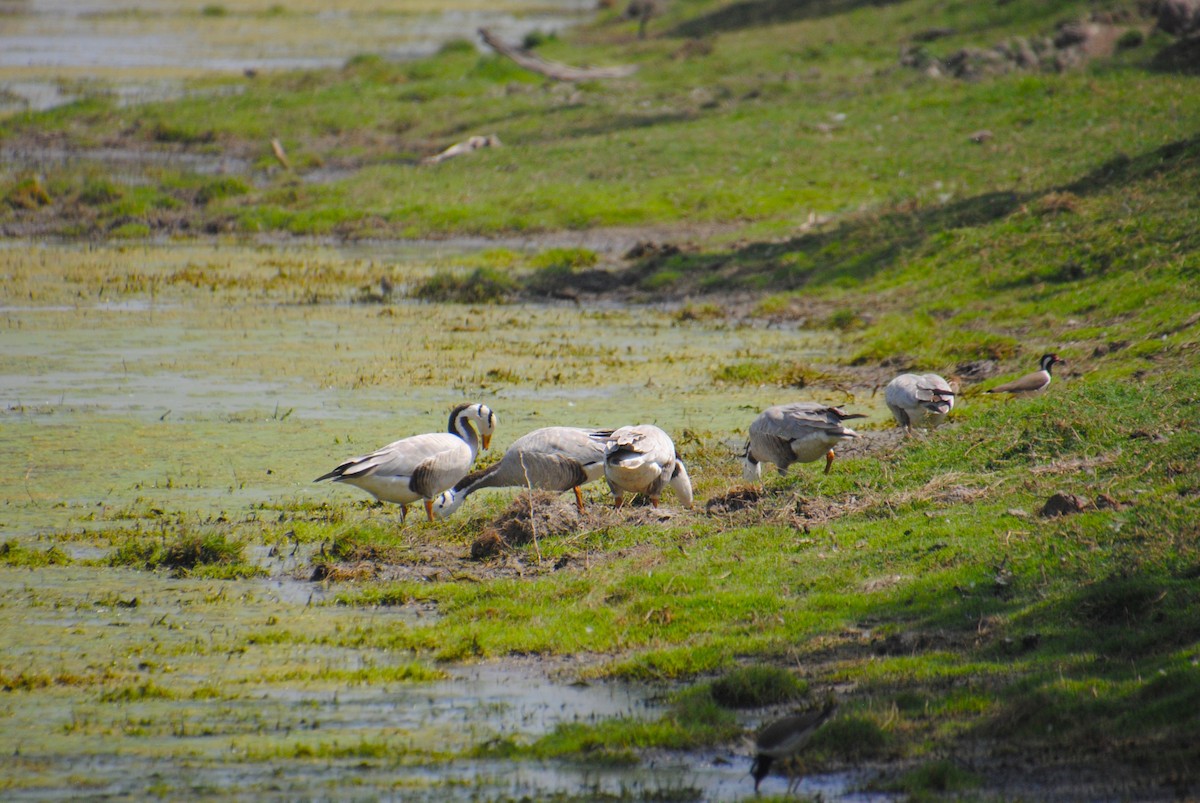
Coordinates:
(209, 554)
(222, 187)
(27, 193)
(757, 686)
(143, 691)
(98, 191)
(851, 738)
(14, 553)
(937, 777)
(777, 373)
(483, 285)
(130, 231)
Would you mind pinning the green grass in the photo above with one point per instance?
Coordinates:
(14, 553)
(207, 553)
(843, 192)
(860, 132)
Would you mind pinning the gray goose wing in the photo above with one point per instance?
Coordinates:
(397, 458)
(438, 472)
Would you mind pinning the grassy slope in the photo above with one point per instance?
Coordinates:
(956, 620)
(823, 117)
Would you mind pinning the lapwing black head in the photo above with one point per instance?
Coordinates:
(1035, 382)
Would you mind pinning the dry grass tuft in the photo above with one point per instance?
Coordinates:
(530, 516)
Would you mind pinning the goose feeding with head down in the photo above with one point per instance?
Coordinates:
(551, 459)
(919, 400)
(422, 466)
(641, 459)
(1031, 383)
(800, 432)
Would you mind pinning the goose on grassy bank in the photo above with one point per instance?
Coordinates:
(919, 400)
(641, 459)
(551, 459)
(800, 432)
(422, 466)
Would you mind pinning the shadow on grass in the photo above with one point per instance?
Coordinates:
(1114, 651)
(861, 246)
(1181, 57)
(1174, 157)
(757, 13)
(625, 122)
(851, 252)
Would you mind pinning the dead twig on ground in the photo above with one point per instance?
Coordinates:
(553, 69)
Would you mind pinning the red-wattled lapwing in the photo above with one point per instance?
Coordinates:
(784, 738)
(1032, 383)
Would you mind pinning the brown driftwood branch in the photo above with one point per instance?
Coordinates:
(280, 154)
(552, 69)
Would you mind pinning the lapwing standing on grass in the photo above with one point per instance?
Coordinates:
(784, 739)
(642, 459)
(423, 466)
(800, 432)
(1032, 383)
(551, 459)
(919, 400)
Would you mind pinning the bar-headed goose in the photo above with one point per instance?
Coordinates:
(919, 400)
(423, 466)
(641, 459)
(551, 458)
(784, 739)
(1032, 383)
(800, 432)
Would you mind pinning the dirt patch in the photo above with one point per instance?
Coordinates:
(344, 572)
(1064, 504)
(442, 555)
(532, 515)
(872, 443)
(741, 498)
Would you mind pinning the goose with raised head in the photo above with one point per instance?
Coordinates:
(641, 459)
(551, 458)
(919, 400)
(1034, 382)
(800, 432)
(784, 738)
(422, 466)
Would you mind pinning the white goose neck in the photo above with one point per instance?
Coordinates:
(464, 430)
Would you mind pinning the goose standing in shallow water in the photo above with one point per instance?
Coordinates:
(800, 432)
(1032, 383)
(641, 459)
(423, 466)
(917, 400)
(551, 458)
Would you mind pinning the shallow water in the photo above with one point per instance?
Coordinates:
(152, 388)
(143, 51)
(204, 379)
(232, 713)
